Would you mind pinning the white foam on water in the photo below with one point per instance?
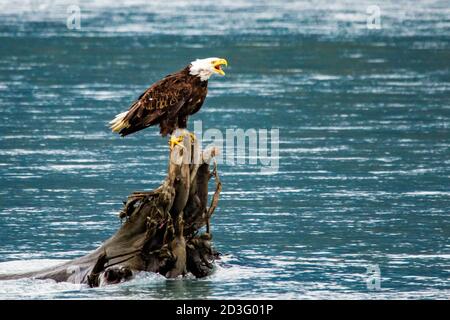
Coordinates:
(23, 266)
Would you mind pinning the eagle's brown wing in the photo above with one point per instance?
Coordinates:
(160, 102)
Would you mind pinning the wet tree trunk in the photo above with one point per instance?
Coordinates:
(160, 229)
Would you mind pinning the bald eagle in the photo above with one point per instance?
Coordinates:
(170, 101)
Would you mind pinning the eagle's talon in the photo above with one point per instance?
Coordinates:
(174, 141)
(193, 137)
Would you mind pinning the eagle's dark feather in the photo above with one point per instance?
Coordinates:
(167, 102)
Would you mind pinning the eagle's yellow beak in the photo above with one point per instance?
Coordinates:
(217, 64)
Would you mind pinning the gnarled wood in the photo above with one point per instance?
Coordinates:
(160, 228)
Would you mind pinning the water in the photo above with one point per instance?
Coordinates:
(364, 142)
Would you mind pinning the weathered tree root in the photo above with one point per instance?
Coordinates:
(160, 229)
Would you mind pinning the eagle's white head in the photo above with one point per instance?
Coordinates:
(205, 68)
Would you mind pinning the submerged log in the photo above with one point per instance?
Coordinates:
(160, 229)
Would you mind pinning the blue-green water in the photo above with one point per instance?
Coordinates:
(364, 115)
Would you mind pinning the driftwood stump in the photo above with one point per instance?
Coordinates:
(160, 229)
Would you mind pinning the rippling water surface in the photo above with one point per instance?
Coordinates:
(364, 115)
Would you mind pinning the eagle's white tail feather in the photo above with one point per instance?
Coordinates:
(118, 123)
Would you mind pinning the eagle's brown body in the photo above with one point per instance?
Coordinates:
(167, 102)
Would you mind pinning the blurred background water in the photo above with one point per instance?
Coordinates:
(363, 114)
